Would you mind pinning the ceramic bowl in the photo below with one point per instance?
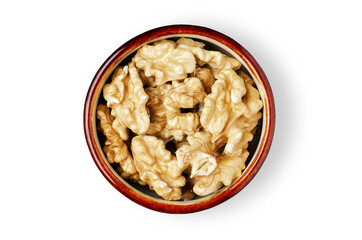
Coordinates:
(258, 148)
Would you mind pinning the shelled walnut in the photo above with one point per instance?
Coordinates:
(179, 94)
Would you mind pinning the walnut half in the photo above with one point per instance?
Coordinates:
(157, 167)
(209, 168)
(115, 149)
(164, 61)
(127, 99)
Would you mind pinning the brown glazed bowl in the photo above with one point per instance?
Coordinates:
(258, 148)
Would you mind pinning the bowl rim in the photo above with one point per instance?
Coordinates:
(116, 57)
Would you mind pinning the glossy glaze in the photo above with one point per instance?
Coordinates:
(178, 206)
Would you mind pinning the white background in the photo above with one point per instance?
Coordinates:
(310, 184)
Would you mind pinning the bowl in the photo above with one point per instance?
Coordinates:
(258, 148)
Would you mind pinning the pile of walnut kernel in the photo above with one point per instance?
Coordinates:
(179, 92)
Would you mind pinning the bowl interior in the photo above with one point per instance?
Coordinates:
(210, 44)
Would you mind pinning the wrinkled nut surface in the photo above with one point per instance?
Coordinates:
(127, 99)
(224, 103)
(157, 110)
(200, 154)
(164, 61)
(157, 167)
(209, 169)
(216, 60)
(165, 104)
(115, 149)
(228, 169)
(239, 130)
(183, 95)
(186, 113)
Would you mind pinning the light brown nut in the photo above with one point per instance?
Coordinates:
(157, 167)
(241, 104)
(206, 77)
(216, 60)
(115, 149)
(127, 98)
(185, 122)
(184, 95)
(238, 130)
(165, 105)
(119, 127)
(209, 169)
(224, 103)
(164, 61)
(252, 96)
(228, 169)
(158, 112)
(187, 94)
(239, 134)
(200, 153)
